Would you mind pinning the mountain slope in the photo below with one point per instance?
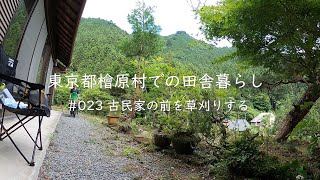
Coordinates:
(186, 49)
(96, 49)
(98, 41)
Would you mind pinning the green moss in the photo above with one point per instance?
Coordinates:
(131, 152)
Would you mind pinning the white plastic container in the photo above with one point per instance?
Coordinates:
(9, 101)
(5, 94)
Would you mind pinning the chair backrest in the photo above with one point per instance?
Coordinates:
(30, 92)
(42, 102)
(34, 98)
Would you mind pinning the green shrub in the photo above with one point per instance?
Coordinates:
(251, 113)
(94, 95)
(220, 171)
(262, 102)
(291, 147)
(140, 121)
(293, 168)
(185, 137)
(61, 95)
(243, 158)
(314, 146)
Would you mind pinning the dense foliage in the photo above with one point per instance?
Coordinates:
(100, 49)
(281, 36)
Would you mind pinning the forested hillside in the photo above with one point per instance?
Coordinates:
(98, 50)
(186, 49)
(103, 48)
(99, 41)
(97, 47)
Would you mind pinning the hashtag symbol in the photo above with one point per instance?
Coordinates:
(72, 106)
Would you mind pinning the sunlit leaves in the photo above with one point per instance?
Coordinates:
(145, 40)
(280, 35)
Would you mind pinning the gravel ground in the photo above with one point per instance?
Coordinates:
(74, 153)
(82, 150)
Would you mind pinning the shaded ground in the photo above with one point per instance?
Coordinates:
(83, 150)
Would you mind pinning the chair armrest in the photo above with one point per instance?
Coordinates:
(32, 86)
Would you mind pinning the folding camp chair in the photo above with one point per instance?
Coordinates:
(31, 94)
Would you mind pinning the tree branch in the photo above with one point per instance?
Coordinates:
(198, 6)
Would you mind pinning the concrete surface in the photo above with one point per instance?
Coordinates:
(12, 164)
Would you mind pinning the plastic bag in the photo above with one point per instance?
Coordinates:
(8, 100)
(14, 104)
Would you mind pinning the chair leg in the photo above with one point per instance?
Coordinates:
(15, 145)
(5, 133)
(16, 126)
(40, 135)
(36, 140)
(22, 124)
(1, 124)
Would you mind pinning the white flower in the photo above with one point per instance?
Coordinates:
(299, 177)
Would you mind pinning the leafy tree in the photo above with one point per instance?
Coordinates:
(15, 30)
(262, 103)
(282, 36)
(145, 40)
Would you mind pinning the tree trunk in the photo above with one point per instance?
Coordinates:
(132, 114)
(272, 103)
(300, 110)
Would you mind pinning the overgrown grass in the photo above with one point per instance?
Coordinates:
(131, 152)
(263, 156)
(96, 120)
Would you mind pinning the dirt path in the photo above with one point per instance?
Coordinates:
(82, 150)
